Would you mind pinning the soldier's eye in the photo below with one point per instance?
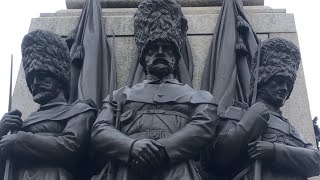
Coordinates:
(151, 50)
(168, 49)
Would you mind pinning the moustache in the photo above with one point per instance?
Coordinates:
(161, 60)
(37, 89)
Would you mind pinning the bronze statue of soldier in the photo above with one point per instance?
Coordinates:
(161, 125)
(283, 151)
(52, 141)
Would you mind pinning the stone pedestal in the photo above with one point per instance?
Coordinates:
(78, 4)
(266, 22)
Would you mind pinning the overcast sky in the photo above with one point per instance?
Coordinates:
(15, 16)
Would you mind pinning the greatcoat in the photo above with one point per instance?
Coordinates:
(176, 115)
(52, 143)
(294, 158)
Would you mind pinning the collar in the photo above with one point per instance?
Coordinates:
(279, 115)
(155, 80)
(51, 105)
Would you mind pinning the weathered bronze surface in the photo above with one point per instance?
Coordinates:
(93, 69)
(159, 126)
(51, 143)
(283, 151)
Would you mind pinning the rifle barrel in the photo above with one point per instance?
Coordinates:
(10, 86)
(8, 171)
(257, 163)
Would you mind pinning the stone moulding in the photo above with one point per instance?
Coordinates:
(78, 4)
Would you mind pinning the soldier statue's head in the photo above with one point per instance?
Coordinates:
(159, 29)
(278, 65)
(46, 63)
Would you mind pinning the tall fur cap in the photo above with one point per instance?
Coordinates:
(278, 57)
(47, 52)
(159, 20)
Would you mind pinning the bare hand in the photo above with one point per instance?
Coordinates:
(10, 121)
(6, 144)
(146, 153)
(261, 150)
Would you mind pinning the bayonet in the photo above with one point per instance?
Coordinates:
(257, 164)
(8, 171)
(10, 87)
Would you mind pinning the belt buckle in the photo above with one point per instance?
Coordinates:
(155, 134)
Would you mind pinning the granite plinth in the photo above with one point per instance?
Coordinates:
(78, 4)
(201, 20)
(186, 11)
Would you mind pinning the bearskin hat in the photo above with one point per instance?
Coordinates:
(47, 52)
(278, 57)
(159, 20)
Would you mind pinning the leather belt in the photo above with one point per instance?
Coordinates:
(151, 134)
(164, 112)
(47, 134)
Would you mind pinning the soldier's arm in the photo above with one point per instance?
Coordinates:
(107, 141)
(188, 141)
(233, 137)
(64, 148)
(303, 161)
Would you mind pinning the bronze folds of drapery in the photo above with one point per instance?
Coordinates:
(226, 74)
(93, 69)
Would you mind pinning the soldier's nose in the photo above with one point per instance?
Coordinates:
(284, 86)
(35, 80)
(160, 50)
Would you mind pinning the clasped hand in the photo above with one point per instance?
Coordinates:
(261, 150)
(147, 154)
(10, 121)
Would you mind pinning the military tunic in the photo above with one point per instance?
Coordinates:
(182, 119)
(294, 157)
(52, 142)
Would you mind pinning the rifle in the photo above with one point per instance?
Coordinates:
(257, 163)
(110, 169)
(117, 105)
(8, 171)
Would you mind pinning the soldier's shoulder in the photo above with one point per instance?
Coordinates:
(116, 93)
(198, 96)
(84, 105)
(234, 112)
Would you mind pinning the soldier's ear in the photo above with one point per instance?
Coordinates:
(184, 25)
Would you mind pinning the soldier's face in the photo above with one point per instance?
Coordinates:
(277, 91)
(160, 59)
(44, 87)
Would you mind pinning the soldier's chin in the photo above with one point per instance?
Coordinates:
(279, 102)
(42, 98)
(159, 71)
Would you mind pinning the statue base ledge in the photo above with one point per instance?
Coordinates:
(78, 4)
